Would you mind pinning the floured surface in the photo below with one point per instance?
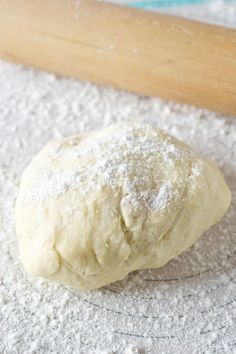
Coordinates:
(186, 307)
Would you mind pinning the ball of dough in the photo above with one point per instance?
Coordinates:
(94, 207)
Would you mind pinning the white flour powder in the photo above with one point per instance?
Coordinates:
(186, 307)
(114, 161)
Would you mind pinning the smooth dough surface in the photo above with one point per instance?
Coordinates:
(94, 207)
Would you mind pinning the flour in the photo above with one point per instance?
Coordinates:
(114, 161)
(186, 307)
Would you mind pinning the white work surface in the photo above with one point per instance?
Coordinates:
(187, 306)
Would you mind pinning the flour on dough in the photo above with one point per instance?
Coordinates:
(94, 207)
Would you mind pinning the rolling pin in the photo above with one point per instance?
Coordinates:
(140, 51)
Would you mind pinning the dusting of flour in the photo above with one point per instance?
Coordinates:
(123, 159)
(187, 306)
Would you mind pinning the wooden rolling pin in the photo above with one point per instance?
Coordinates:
(136, 50)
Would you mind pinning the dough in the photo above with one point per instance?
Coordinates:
(94, 207)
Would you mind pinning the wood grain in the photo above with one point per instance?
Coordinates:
(136, 50)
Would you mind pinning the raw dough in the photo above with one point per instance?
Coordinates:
(96, 206)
